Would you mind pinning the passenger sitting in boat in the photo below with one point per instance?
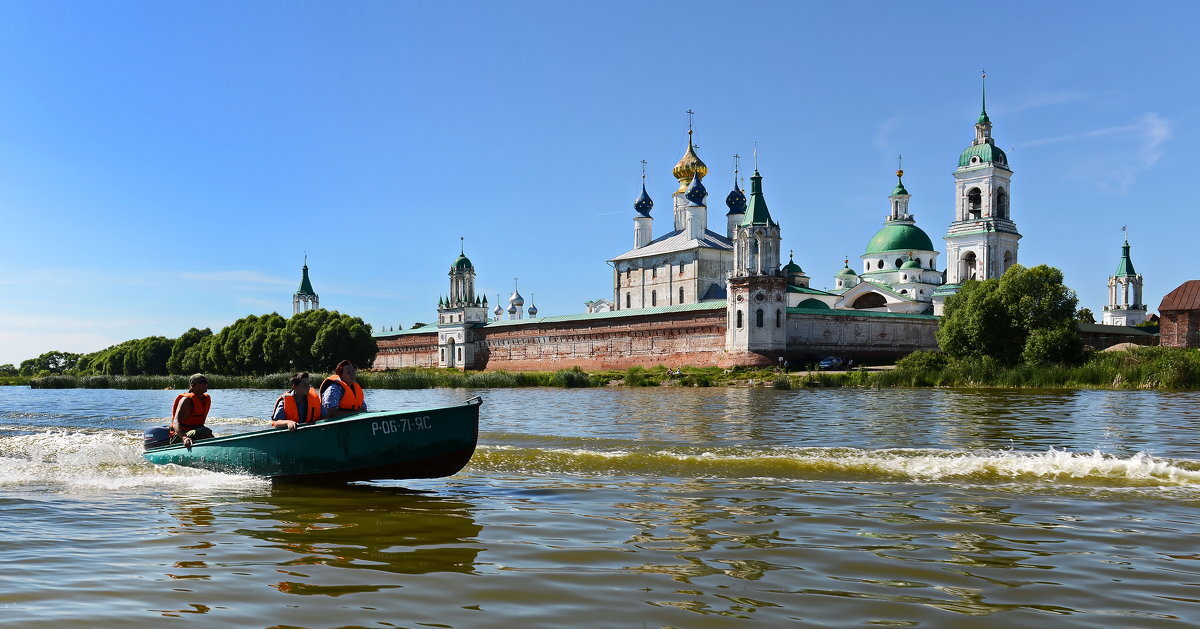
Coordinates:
(189, 412)
(340, 394)
(301, 405)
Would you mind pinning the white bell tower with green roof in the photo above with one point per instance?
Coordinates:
(757, 288)
(981, 243)
(305, 298)
(1125, 305)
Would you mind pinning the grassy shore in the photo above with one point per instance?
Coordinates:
(1139, 368)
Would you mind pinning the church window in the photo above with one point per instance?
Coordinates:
(681, 294)
(758, 318)
(460, 353)
(967, 266)
(627, 300)
(1007, 259)
(904, 277)
(778, 318)
(653, 272)
(739, 319)
(974, 203)
(653, 298)
(899, 262)
(1001, 203)
(682, 266)
(880, 263)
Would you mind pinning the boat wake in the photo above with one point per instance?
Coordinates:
(1058, 467)
(85, 460)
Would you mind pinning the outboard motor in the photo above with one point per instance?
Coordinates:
(157, 436)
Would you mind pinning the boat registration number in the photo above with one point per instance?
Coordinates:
(403, 424)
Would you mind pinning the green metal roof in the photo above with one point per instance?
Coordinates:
(813, 304)
(899, 189)
(900, 237)
(910, 264)
(792, 267)
(846, 270)
(807, 291)
(1125, 267)
(987, 153)
(756, 210)
(305, 285)
(461, 263)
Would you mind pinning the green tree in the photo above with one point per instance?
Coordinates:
(1025, 315)
(8, 369)
(52, 362)
(1085, 315)
(186, 341)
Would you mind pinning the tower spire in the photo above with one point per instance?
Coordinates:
(983, 116)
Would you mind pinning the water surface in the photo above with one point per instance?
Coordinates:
(626, 507)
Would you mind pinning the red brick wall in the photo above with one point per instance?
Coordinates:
(1179, 328)
(410, 350)
(674, 340)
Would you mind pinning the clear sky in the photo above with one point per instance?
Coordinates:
(165, 165)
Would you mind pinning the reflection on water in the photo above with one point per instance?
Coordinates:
(325, 530)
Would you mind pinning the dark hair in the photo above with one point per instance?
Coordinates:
(297, 377)
(341, 366)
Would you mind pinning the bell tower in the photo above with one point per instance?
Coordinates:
(981, 243)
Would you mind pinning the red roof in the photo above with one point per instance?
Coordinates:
(1186, 297)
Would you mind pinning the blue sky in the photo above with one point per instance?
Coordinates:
(165, 165)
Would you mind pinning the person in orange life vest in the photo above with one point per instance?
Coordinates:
(189, 412)
(301, 405)
(340, 394)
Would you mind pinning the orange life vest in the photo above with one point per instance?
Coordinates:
(352, 396)
(292, 411)
(200, 405)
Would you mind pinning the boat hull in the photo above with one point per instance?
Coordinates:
(427, 443)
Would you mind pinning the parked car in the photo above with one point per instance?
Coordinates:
(831, 362)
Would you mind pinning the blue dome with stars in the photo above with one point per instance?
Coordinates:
(643, 204)
(736, 201)
(696, 191)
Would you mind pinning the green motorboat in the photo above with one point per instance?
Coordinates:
(379, 445)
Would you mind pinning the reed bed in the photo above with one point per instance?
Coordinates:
(1137, 368)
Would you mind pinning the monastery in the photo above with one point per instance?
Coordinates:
(717, 293)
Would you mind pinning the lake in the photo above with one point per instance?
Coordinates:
(658, 507)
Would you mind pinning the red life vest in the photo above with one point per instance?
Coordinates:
(292, 412)
(200, 406)
(352, 396)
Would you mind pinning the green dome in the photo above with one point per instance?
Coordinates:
(462, 264)
(986, 152)
(910, 264)
(902, 237)
(792, 268)
(845, 271)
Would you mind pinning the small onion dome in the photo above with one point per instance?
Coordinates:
(846, 270)
(512, 310)
(792, 268)
(516, 300)
(696, 191)
(688, 167)
(498, 311)
(533, 311)
(736, 201)
(899, 189)
(644, 203)
(461, 263)
(910, 264)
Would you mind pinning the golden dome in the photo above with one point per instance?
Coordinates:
(688, 166)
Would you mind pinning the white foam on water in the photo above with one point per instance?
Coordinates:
(97, 460)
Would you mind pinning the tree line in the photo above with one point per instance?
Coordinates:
(314, 340)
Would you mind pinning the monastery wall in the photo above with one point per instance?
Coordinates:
(408, 350)
(670, 339)
(679, 339)
(862, 336)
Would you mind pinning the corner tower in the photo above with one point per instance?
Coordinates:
(1125, 305)
(757, 309)
(305, 298)
(981, 243)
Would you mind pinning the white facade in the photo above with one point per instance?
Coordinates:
(1125, 305)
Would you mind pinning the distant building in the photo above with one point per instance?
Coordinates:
(305, 297)
(1179, 316)
(1125, 305)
